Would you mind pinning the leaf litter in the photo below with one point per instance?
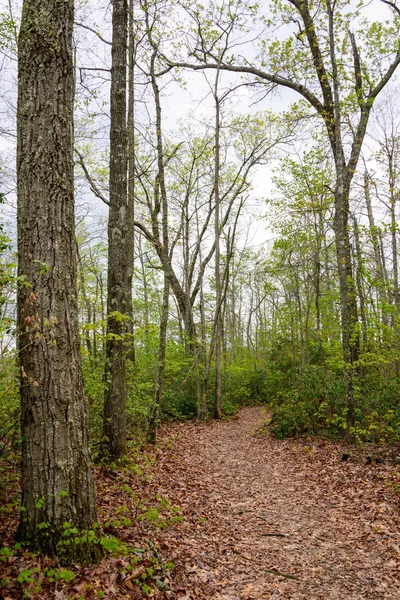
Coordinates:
(217, 510)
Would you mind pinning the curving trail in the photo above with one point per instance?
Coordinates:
(277, 519)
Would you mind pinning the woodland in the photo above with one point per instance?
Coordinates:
(199, 299)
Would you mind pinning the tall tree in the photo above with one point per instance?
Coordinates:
(115, 419)
(312, 61)
(57, 484)
(130, 247)
(217, 209)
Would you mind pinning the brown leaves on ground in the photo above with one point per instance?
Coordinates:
(262, 518)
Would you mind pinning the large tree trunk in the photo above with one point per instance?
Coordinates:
(57, 484)
(115, 418)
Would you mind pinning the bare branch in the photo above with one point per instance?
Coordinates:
(357, 69)
(93, 31)
(276, 79)
(393, 5)
(92, 184)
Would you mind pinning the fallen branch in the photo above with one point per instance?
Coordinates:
(170, 414)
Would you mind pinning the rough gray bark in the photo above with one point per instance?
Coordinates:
(57, 484)
(130, 246)
(115, 418)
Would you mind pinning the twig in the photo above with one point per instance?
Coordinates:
(286, 575)
(157, 556)
(92, 184)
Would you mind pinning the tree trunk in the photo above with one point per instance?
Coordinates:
(218, 320)
(379, 273)
(159, 387)
(57, 484)
(348, 300)
(115, 418)
(130, 245)
(393, 230)
(361, 295)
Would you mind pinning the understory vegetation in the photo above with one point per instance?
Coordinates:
(226, 235)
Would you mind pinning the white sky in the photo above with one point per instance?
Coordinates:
(179, 105)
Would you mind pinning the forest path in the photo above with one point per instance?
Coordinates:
(277, 519)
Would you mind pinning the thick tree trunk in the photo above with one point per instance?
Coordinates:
(57, 484)
(115, 419)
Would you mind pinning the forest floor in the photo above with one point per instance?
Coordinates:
(240, 515)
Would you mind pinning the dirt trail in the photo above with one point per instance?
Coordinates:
(277, 519)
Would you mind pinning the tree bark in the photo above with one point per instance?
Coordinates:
(130, 243)
(381, 283)
(361, 295)
(115, 418)
(57, 483)
(218, 320)
(159, 386)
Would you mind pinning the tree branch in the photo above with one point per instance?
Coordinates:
(92, 184)
(276, 79)
(93, 31)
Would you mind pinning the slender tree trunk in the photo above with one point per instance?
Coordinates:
(297, 296)
(393, 229)
(130, 247)
(87, 306)
(159, 386)
(57, 484)
(361, 295)
(115, 418)
(218, 322)
(317, 284)
(145, 286)
(348, 299)
(102, 305)
(381, 283)
(202, 407)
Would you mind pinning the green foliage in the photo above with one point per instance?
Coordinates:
(6, 553)
(310, 402)
(9, 396)
(8, 33)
